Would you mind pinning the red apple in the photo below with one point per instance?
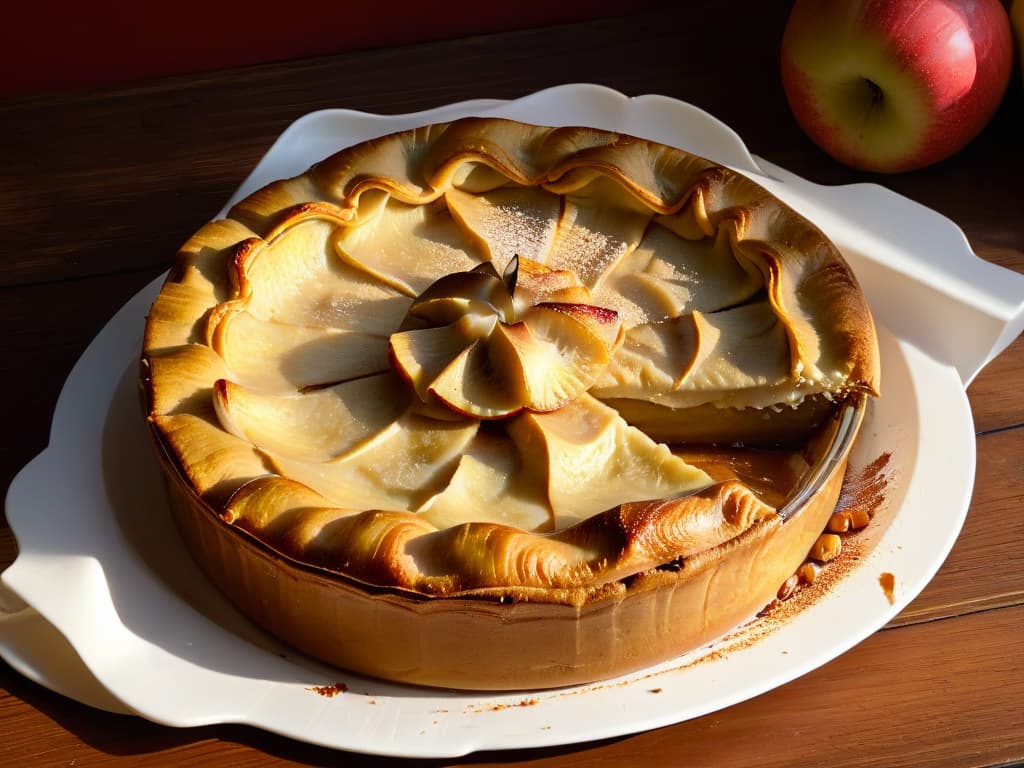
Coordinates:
(893, 85)
(1017, 22)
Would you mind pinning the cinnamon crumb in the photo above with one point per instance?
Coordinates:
(865, 490)
(523, 703)
(888, 582)
(329, 691)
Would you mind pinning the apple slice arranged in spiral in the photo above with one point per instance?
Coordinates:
(477, 344)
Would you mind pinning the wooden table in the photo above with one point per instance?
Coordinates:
(98, 190)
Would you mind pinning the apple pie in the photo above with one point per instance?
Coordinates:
(493, 405)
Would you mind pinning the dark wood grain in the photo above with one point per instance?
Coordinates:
(8, 546)
(140, 168)
(48, 326)
(985, 569)
(847, 713)
(916, 697)
(99, 190)
(996, 402)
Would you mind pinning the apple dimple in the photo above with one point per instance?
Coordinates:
(875, 94)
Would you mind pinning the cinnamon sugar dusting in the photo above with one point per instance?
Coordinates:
(863, 494)
(531, 702)
(863, 490)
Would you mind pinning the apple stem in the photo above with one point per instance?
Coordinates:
(511, 275)
(877, 96)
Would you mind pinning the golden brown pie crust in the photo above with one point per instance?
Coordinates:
(392, 592)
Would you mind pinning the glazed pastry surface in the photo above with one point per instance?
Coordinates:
(462, 359)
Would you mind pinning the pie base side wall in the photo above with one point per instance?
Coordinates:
(483, 644)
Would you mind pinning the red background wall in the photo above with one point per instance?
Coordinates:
(61, 46)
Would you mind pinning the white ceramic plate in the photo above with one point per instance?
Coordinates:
(101, 563)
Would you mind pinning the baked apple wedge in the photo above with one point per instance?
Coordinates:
(471, 343)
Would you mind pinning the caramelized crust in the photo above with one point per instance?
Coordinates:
(403, 550)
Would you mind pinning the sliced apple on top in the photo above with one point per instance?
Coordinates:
(489, 485)
(398, 467)
(296, 278)
(480, 384)
(551, 356)
(509, 221)
(668, 275)
(654, 357)
(738, 357)
(316, 425)
(601, 322)
(282, 357)
(537, 284)
(591, 460)
(479, 291)
(560, 349)
(594, 234)
(409, 247)
(468, 342)
(421, 355)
